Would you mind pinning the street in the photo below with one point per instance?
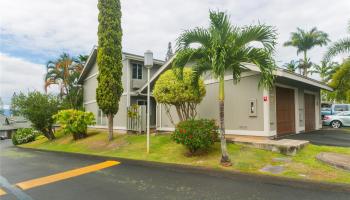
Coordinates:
(132, 180)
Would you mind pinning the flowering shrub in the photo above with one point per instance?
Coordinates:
(23, 135)
(196, 134)
(75, 122)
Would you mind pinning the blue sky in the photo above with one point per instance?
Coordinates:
(33, 32)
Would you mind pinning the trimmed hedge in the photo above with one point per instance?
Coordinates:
(196, 134)
(23, 135)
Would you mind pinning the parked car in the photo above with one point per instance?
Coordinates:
(338, 120)
(2, 137)
(332, 109)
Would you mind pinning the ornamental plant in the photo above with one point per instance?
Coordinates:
(196, 135)
(109, 60)
(23, 135)
(183, 94)
(75, 122)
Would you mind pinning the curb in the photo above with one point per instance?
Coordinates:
(236, 175)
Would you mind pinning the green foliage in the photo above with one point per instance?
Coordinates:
(1, 107)
(23, 135)
(326, 69)
(306, 40)
(223, 47)
(341, 83)
(109, 59)
(38, 108)
(133, 112)
(181, 93)
(338, 47)
(292, 66)
(196, 134)
(65, 72)
(75, 122)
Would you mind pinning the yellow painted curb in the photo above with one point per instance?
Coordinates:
(65, 175)
(2, 192)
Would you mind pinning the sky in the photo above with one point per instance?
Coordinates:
(36, 31)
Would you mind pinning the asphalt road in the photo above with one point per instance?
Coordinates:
(327, 136)
(135, 180)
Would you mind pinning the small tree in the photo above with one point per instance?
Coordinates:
(183, 94)
(38, 108)
(109, 59)
(341, 83)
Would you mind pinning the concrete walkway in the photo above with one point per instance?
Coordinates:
(284, 146)
(335, 159)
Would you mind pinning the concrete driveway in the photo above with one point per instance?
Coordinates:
(327, 136)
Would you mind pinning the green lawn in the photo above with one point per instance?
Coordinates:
(163, 149)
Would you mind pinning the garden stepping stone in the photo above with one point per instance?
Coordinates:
(335, 159)
(272, 169)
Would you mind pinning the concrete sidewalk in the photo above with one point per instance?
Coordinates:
(284, 146)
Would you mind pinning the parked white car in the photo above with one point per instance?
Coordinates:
(338, 120)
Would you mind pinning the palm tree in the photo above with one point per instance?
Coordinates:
(65, 72)
(304, 41)
(224, 47)
(292, 66)
(325, 70)
(341, 46)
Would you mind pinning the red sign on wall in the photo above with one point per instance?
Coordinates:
(265, 98)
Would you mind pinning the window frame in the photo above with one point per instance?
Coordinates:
(139, 71)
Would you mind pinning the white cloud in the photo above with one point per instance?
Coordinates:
(48, 27)
(19, 75)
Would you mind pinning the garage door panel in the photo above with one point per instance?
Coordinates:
(285, 111)
(309, 101)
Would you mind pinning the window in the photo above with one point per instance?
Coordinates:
(141, 102)
(136, 71)
(341, 108)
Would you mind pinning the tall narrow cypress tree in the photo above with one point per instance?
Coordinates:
(109, 59)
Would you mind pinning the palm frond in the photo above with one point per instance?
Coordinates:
(197, 35)
(262, 58)
(341, 46)
(258, 33)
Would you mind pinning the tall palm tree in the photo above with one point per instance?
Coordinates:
(292, 66)
(224, 47)
(325, 70)
(340, 46)
(304, 41)
(65, 72)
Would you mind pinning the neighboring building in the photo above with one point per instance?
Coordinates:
(9, 125)
(291, 106)
(134, 77)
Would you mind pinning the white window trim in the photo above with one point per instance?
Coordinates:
(137, 71)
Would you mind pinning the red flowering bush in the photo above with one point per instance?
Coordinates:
(196, 134)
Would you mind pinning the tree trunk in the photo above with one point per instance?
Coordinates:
(110, 127)
(305, 64)
(225, 159)
(50, 134)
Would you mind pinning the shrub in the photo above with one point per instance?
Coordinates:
(196, 134)
(75, 122)
(23, 135)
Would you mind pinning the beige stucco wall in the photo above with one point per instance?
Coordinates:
(236, 105)
(90, 104)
